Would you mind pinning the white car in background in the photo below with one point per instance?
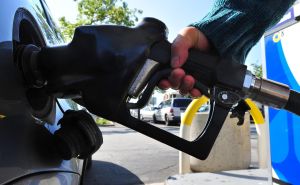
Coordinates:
(170, 110)
(146, 113)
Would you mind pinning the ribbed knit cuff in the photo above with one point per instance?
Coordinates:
(234, 26)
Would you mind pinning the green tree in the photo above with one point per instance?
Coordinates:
(95, 12)
(257, 70)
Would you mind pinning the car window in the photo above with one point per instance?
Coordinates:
(204, 108)
(160, 105)
(181, 102)
(150, 108)
(167, 103)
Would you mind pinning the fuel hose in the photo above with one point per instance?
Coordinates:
(293, 103)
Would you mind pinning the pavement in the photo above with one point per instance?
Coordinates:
(128, 157)
(235, 177)
(253, 176)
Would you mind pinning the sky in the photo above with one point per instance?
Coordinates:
(174, 13)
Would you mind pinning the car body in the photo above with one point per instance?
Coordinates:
(26, 125)
(146, 113)
(170, 110)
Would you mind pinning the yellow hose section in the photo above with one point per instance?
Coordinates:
(255, 112)
(2, 116)
(191, 110)
(197, 103)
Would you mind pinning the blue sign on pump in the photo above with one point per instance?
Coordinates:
(283, 65)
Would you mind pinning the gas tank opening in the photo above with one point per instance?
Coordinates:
(26, 31)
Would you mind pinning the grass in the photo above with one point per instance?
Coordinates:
(102, 121)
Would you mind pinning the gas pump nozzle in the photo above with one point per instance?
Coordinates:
(104, 66)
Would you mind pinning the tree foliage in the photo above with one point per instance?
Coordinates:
(257, 70)
(95, 12)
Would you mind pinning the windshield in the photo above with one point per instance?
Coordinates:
(181, 102)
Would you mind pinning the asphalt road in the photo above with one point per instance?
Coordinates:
(129, 158)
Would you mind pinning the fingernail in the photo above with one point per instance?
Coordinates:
(175, 62)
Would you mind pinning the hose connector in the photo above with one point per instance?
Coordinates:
(269, 92)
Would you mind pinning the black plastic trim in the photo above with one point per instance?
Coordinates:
(27, 31)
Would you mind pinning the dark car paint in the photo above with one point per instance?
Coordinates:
(25, 145)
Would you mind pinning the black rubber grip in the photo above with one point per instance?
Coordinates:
(207, 69)
(211, 70)
(201, 66)
(293, 104)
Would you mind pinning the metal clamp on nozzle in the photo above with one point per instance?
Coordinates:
(265, 91)
(142, 77)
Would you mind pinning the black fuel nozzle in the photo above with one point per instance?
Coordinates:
(104, 66)
(239, 111)
(100, 61)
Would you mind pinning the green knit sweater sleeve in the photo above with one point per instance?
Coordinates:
(234, 26)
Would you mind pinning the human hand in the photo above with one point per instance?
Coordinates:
(187, 38)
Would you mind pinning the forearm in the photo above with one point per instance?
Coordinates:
(234, 26)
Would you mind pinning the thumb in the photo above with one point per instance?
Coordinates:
(189, 37)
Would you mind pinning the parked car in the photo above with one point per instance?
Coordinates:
(146, 113)
(170, 110)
